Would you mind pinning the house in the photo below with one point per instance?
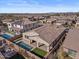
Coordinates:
(60, 22)
(1, 56)
(9, 23)
(16, 44)
(5, 51)
(71, 43)
(77, 24)
(48, 21)
(24, 25)
(1, 46)
(3, 28)
(20, 26)
(63, 19)
(47, 37)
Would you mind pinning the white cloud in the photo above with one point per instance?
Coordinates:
(23, 3)
(39, 9)
(33, 6)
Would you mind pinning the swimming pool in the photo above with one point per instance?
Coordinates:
(24, 45)
(18, 42)
(6, 36)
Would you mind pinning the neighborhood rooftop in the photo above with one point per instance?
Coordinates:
(49, 33)
(72, 40)
(40, 36)
(23, 22)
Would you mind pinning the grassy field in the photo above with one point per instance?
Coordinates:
(39, 52)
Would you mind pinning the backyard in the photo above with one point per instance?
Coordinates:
(39, 52)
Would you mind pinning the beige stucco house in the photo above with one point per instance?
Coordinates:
(20, 26)
(45, 37)
(71, 43)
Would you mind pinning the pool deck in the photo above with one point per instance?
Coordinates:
(6, 36)
(9, 34)
(34, 45)
(23, 45)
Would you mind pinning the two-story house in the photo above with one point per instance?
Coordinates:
(71, 44)
(47, 37)
(20, 26)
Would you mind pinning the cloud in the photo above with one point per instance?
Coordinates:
(23, 3)
(35, 2)
(33, 6)
(40, 9)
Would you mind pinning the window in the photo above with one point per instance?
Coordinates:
(18, 26)
(21, 27)
(33, 24)
(26, 36)
(9, 24)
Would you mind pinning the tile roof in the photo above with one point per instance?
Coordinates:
(72, 40)
(23, 22)
(49, 32)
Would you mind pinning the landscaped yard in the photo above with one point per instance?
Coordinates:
(39, 52)
(66, 56)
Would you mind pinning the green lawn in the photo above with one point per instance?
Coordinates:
(39, 52)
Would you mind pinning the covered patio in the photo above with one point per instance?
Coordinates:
(36, 41)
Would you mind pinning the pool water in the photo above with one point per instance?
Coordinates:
(25, 46)
(18, 42)
(6, 36)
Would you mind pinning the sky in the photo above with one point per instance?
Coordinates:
(38, 6)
